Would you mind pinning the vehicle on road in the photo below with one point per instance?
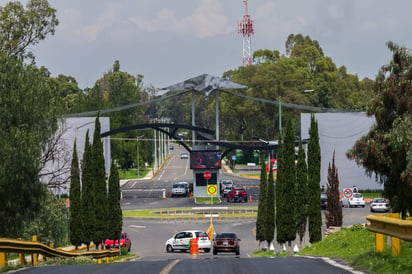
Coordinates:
(184, 155)
(379, 204)
(226, 242)
(180, 189)
(354, 201)
(124, 242)
(181, 241)
(323, 200)
(237, 195)
(226, 186)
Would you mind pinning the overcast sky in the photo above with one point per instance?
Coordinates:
(171, 41)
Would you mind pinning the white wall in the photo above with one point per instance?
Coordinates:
(71, 129)
(338, 132)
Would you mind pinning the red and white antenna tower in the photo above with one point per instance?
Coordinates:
(245, 28)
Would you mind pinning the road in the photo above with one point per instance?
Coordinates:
(149, 236)
(203, 266)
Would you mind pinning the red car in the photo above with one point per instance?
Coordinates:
(226, 242)
(124, 241)
(237, 195)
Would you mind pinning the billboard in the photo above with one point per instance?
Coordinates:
(210, 159)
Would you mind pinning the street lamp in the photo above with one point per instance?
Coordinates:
(138, 156)
(280, 106)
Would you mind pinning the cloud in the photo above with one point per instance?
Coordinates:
(206, 21)
(74, 29)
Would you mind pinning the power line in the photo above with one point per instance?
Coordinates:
(95, 112)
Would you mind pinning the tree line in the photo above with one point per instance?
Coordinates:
(286, 207)
(95, 212)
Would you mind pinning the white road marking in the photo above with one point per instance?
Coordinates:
(138, 226)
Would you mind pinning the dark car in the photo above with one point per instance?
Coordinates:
(323, 200)
(237, 195)
(226, 242)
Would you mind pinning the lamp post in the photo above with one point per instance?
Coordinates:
(138, 156)
(280, 106)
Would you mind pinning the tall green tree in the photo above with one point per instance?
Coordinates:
(115, 217)
(88, 194)
(301, 193)
(22, 28)
(118, 88)
(314, 214)
(270, 208)
(76, 227)
(386, 150)
(100, 208)
(50, 223)
(260, 221)
(29, 111)
(333, 215)
(286, 208)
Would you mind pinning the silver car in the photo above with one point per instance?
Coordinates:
(226, 186)
(379, 204)
(180, 189)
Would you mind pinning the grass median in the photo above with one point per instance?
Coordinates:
(355, 246)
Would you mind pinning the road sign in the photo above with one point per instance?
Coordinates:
(212, 189)
(347, 193)
(207, 175)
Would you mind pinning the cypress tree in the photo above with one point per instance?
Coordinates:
(270, 208)
(100, 187)
(75, 230)
(286, 222)
(334, 214)
(260, 221)
(87, 195)
(115, 216)
(314, 214)
(301, 193)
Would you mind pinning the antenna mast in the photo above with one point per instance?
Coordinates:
(245, 28)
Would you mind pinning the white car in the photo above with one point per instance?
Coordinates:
(181, 241)
(354, 201)
(379, 204)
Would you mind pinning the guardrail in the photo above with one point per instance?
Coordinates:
(390, 225)
(35, 248)
(221, 214)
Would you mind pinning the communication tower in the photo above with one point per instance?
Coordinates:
(245, 28)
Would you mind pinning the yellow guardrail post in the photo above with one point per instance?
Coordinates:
(3, 259)
(21, 259)
(395, 242)
(34, 259)
(379, 242)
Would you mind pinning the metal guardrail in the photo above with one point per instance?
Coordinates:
(398, 228)
(390, 225)
(33, 247)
